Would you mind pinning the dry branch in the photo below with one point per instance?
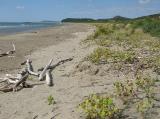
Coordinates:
(57, 64)
(23, 79)
(30, 68)
(43, 73)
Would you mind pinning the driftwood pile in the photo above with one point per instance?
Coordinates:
(15, 83)
(19, 81)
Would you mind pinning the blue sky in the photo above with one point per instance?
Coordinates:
(37, 10)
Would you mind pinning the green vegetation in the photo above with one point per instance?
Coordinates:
(148, 25)
(99, 107)
(129, 46)
(141, 90)
(50, 100)
(125, 44)
(104, 55)
(99, 54)
(135, 94)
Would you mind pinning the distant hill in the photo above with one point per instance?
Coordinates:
(116, 18)
(78, 20)
(153, 16)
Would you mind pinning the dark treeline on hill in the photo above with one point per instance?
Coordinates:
(83, 20)
(116, 18)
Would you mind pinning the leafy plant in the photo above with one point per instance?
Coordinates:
(146, 85)
(125, 90)
(99, 107)
(99, 54)
(50, 100)
(143, 106)
(30, 78)
(127, 57)
(151, 26)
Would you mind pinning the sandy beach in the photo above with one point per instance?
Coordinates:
(40, 46)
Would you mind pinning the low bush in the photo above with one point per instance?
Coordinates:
(99, 107)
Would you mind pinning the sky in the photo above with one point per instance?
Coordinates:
(56, 10)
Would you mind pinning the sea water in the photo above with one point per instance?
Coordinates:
(15, 27)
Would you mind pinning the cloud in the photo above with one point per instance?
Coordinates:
(144, 1)
(20, 7)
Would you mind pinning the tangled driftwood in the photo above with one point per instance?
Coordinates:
(9, 52)
(15, 83)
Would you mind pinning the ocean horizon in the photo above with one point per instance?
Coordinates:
(16, 27)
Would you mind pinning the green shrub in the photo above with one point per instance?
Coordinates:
(50, 100)
(102, 30)
(127, 57)
(151, 26)
(125, 90)
(99, 107)
(99, 54)
(103, 42)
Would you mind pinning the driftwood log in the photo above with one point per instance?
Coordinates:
(9, 52)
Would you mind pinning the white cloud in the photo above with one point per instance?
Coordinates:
(20, 7)
(144, 1)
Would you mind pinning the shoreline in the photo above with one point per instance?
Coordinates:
(19, 30)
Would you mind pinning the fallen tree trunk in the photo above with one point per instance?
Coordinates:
(8, 52)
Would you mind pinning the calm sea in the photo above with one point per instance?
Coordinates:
(15, 27)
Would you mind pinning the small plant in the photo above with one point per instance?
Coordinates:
(127, 57)
(146, 85)
(99, 107)
(30, 78)
(143, 106)
(125, 90)
(99, 54)
(102, 30)
(50, 100)
(103, 42)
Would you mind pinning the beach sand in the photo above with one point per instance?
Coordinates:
(40, 46)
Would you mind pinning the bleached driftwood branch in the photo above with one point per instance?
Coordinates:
(14, 82)
(21, 81)
(9, 52)
(49, 78)
(43, 73)
(30, 68)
